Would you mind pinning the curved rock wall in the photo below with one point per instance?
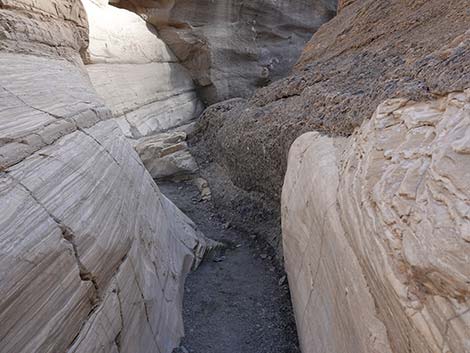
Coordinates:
(136, 74)
(232, 47)
(92, 256)
(376, 231)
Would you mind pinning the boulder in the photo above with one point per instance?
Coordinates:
(166, 156)
(375, 231)
(136, 74)
(92, 256)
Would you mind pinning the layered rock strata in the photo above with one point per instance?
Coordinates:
(232, 47)
(136, 74)
(92, 256)
(376, 231)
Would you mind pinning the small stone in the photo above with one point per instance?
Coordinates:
(219, 258)
(263, 256)
(282, 280)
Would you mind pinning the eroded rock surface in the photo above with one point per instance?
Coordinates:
(92, 256)
(136, 73)
(232, 47)
(375, 231)
(371, 51)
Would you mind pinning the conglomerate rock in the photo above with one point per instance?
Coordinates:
(92, 256)
(376, 231)
(232, 47)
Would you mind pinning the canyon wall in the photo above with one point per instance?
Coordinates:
(371, 51)
(136, 74)
(92, 256)
(232, 47)
(376, 231)
(375, 200)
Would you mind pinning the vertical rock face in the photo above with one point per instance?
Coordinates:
(232, 47)
(137, 75)
(376, 231)
(92, 256)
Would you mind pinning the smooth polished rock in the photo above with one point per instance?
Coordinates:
(233, 47)
(92, 256)
(375, 231)
(136, 74)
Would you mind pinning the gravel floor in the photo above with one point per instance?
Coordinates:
(238, 300)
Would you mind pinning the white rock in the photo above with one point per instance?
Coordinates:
(136, 74)
(375, 236)
(92, 256)
(166, 156)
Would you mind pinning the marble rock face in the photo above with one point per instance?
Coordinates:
(92, 256)
(376, 231)
(232, 47)
(136, 74)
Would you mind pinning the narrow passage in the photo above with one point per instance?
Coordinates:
(238, 300)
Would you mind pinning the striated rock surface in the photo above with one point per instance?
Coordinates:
(92, 256)
(232, 47)
(376, 231)
(136, 74)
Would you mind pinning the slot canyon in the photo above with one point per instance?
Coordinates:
(228, 176)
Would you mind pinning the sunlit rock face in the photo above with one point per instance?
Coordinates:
(92, 256)
(136, 74)
(232, 47)
(376, 231)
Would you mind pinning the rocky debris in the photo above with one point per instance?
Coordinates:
(343, 3)
(238, 299)
(371, 51)
(166, 156)
(203, 187)
(375, 231)
(232, 47)
(93, 257)
(136, 73)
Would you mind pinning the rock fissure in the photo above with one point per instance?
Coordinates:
(146, 310)
(67, 235)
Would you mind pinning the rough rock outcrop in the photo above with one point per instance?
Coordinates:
(137, 75)
(232, 47)
(371, 51)
(376, 231)
(92, 256)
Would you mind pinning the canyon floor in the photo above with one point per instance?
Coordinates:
(238, 299)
